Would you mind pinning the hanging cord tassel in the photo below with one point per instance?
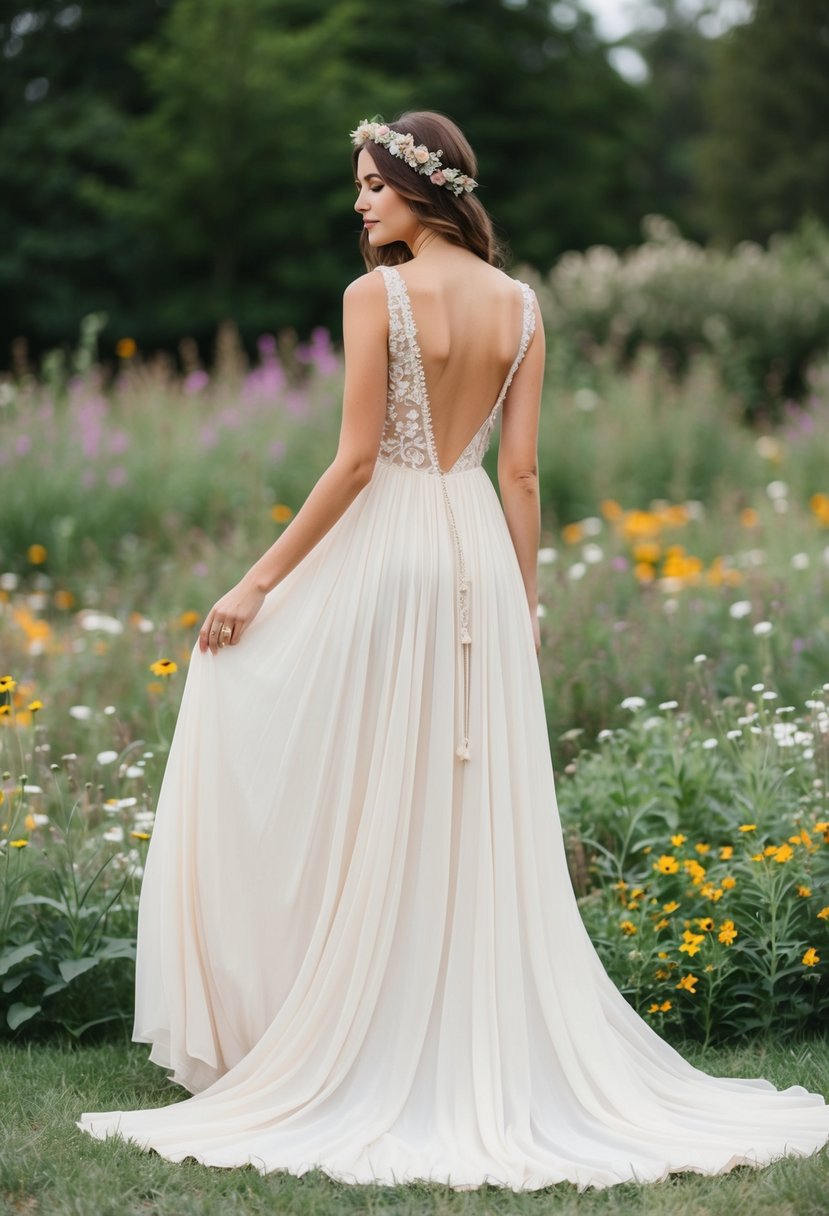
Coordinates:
(462, 750)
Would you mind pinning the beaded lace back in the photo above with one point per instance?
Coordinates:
(407, 435)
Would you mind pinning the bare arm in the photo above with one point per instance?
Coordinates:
(365, 340)
(518, 464)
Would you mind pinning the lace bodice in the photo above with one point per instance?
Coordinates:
(407, 435)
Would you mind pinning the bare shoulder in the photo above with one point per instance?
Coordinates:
(366, 291)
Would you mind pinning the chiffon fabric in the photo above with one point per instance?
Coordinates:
(359, 950)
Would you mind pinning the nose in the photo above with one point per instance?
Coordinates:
(360, 205)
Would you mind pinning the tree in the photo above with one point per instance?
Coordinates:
(764, 163)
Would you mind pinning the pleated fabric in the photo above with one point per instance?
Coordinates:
(362, 954)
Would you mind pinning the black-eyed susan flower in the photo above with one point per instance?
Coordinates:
(810, 958)
(7, 684)
(666, 864)
(627, 926)
(164, 667)
(671, 906)
(34, 706)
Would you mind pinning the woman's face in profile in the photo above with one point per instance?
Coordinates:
(386, 215)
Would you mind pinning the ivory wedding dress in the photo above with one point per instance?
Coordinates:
(358, 946)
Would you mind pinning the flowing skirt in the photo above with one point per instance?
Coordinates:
(364, 955)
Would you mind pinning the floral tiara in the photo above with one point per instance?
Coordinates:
(417, 156)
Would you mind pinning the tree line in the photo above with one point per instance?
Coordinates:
(173, 163)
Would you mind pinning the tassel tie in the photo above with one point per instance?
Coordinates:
(462, 750)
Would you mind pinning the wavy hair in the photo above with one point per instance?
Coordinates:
(461, 219)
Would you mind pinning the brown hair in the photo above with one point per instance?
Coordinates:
(460, 218)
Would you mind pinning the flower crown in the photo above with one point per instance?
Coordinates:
(417, 156)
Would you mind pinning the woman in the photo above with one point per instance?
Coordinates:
(359, 948)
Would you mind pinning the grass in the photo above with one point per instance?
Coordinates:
(49, 1167)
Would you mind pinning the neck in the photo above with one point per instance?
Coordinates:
(427, 241)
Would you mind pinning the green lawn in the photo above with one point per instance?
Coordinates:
(49, 1167)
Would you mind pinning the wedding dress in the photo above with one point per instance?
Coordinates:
(359, 947)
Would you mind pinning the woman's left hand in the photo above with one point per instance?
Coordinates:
(233, 612)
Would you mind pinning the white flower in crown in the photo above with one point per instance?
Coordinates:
(417, 156)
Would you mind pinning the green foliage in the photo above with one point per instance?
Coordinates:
(762, 313)
(764, 159)
(683, 829)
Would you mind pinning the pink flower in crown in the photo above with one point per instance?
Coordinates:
(438, 178)
(421, 154)
(382, 129)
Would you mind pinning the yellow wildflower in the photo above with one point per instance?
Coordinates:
(726, 852)
(627, 926)
(647, 551)
(643, 572)
(665, 1006)
(727, 932)
(671, 906)
(64, 599)
(666, 864)
(688, 983)
(823, 914)
(819, 504)
(18, 844)
(678, 840)
(281, 513)
(702, 847)
(571, 534)
(662, 923)
(705, 922)
(748, 827)
(810, 957)
(7, 684)
(728, 882)
(163, 667)
(784, 853)
(610, 509)
(34, 706)
(37, 554)
(188, 619)
(804, 892)
(749, 518)
(125, 348)
(140, 835)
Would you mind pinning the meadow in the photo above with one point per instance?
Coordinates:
(683, 568)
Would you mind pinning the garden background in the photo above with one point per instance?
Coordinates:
(176, 203)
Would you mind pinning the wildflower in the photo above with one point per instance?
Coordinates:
(37, 554)
(810, 957)
(748, 827)
(140, 835)
(671, 906)
(804, 892)
(34, 706)
(125, 348)
(678, 839)
(823, 914)
(700, 658)
(762, 629)
(728, 882)
(749, 518)
(610, 509)
(665, 1006)
(709, 891)
(627, 926)
(727, 932)
(281, 513)
(571, 534)
(7, 684)
(577, 571)
(784, 853)
(692, 941)
(163, 667)
(633, 703)
(643, 572)
(647, 551)
(702, 847)
(758, 857)
(739, 609)
(666, 864)
(705, 922)
(18, 844)
(668, 705)
(188, 619)
(688, 983)
(726, 852)
(662, 923)
(708, 744)
(693, 868)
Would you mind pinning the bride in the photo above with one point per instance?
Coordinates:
(359, 949)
